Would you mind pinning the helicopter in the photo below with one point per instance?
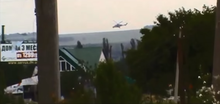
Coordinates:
(119, 24)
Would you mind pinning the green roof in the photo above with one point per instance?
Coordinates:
(70, 58)
(89, 55)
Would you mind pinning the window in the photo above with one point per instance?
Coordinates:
(61, 58)
(60, 66)
(63, 65)
(72, 68)
(68, 66)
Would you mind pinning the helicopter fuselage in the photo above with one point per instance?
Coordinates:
(119, 25)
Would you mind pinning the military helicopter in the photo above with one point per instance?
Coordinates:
(119, 24)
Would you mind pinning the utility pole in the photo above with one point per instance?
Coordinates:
(48, 51)
(181, 75)
(176, 89)
(216, 58)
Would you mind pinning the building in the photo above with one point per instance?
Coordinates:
(90, 56)
(70, 60)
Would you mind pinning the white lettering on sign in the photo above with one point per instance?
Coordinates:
(22, 52)
(23, 55)
(23, 47)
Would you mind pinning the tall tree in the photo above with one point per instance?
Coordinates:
(155, 58)
(107, 49)
(133, 44)
(79, 45)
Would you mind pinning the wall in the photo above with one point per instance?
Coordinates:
(102, 57)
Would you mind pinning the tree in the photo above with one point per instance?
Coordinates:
(15, 73)
(2, 86)
(133, 44)
(79, 45)
(112, 86)
(69, 83)
(107, 49)
(73, 88)
(155, 57)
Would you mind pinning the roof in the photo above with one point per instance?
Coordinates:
(69, 57)
(89, 55)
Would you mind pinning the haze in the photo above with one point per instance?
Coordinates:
(92, 15)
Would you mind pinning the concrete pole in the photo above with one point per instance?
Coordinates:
(48, 54)
(176, 82)
(216, 58)
(179, 49)
(181, 70)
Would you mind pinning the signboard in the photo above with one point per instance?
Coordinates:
(22, 62)
(18, 52)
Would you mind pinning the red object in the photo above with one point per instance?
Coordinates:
(190, 86)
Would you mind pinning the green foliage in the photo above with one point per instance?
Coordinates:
(12, 74)
(122, 51)
(152, 64)
(15, 73)
(133, 44)
(11, 99)
(155, 57)
(122, 66)
(161, 103)
(79, 45)
(206, 93)
(2, 86)
(80, 97)
(69, 80)
(112, 86)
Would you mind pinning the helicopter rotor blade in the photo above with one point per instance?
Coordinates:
(115, 21)
(120, 22)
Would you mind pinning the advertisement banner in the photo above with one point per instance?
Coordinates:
(18, 52)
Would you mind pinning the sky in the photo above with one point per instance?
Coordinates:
(79, 16)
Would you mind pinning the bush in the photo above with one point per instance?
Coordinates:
(12, 99)
(112, 86)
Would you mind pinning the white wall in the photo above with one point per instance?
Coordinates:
(102, 57)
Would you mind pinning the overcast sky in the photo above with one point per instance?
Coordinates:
(92, 15)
